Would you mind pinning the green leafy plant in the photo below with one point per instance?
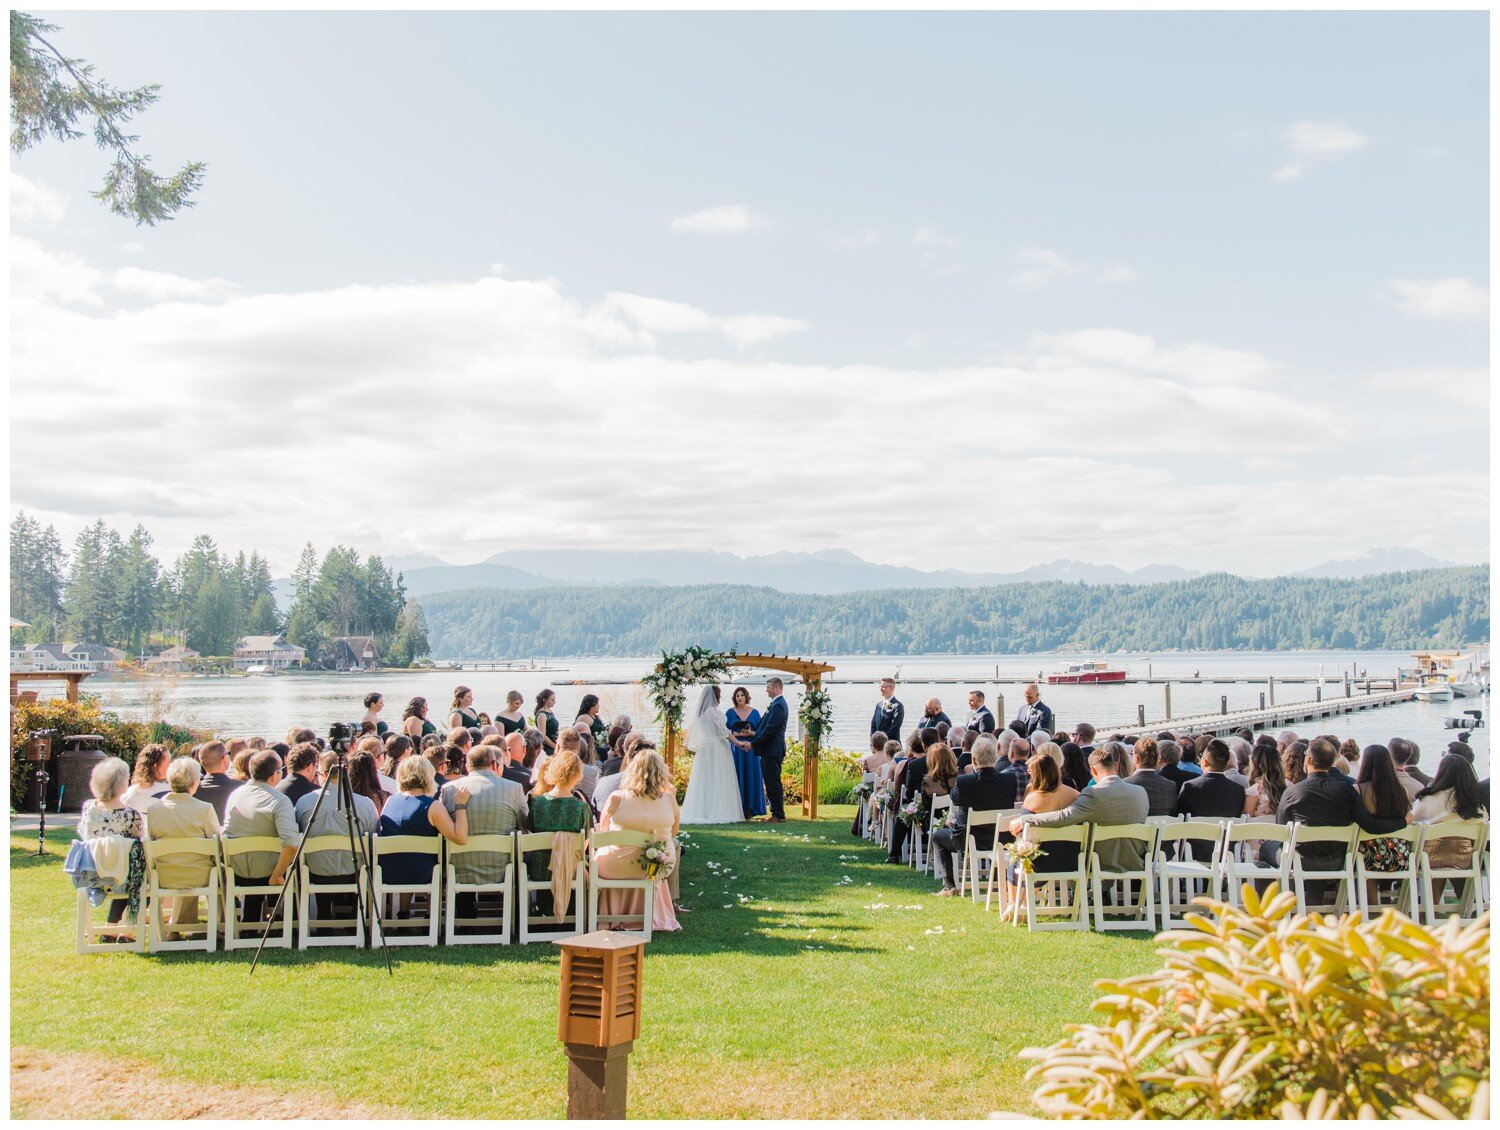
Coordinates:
(1258, 1012)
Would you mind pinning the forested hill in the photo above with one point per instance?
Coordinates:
(1430, 607)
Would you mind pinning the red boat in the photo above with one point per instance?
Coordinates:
(1087, 673)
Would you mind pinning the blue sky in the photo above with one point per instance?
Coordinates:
(983, 264)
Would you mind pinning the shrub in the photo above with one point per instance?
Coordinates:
(1262, 1013)
(838, 773)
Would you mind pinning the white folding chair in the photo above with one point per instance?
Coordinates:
(1368, 900)
(1132, 912)
(1180, 875)
(1466, 879)
(91, 929)
(940, 804)
(415, 929)
(1162, 821)
(1056, 892)
(483, 923)
(1241, 859)
(546, 927)
(336, 931)
(1342, 876)
(968, 866)
(598, 883)
(995, 885)
(236, 888)
(174, 849)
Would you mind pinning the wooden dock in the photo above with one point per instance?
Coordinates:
(1273, 717)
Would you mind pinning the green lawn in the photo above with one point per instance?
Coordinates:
(811, 980)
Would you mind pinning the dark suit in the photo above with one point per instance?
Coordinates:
(930, 721)
(982, 720)
(217, 788)
(1178, 775)
(769, 744)
(611, 766)
(1034, 718)
(980, 791)
(294, 788)
(1324, 801)
(888, 722)
(1212, 796)
(519, 775)
(1160, 792)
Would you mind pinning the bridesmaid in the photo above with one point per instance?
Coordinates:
(742, 719)
(414, 723)
(512, 720)
(645, 802)
(546, 721)
(374, 701)
(588, 713)
(464, 715)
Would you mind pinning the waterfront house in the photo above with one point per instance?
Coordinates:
(172, 659)
(267, 651)
(73, 656)
(354, 653)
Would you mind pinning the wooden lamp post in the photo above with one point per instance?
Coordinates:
(599, 1018)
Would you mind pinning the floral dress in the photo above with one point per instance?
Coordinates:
(1384, 854)
(100, 821)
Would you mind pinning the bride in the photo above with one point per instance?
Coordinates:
(713, 792)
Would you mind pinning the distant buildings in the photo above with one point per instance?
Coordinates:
(354, 653)
(59, 657)
(172, 659)
(267, 651)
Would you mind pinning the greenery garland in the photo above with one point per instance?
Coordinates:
(675, 673)
(815, 713)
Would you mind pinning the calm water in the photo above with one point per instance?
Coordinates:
(241, 706)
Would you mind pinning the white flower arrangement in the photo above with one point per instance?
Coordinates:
(816, 713)
(677, 671)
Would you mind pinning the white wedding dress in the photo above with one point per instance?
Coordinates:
(713, 792)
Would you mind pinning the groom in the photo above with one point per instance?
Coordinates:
(769, 744)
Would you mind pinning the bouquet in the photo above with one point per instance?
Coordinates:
(815, 713)
(941, 819)
(885, 796)
(863, 791)
(911, 811)
(1023, 854)
(657, 859)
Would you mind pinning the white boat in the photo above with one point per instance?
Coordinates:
(1434, 692)
(259, 669)
(1469, 687)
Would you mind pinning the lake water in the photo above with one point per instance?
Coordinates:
(240, 706)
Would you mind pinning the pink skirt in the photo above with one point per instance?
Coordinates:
(624, 863)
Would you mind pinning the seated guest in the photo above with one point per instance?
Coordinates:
(514, 766)
(217, 784)
(1379, 786)
(1083, 737)
(1169, 754)
(302, 772)
(1322, 801)
(1018, 755)
(148, 780)
(644, 802)
(1213, 796)
(1111, 800)
(1047, 795)
(413, 812)
(364, 780)
(1054, 751)
(455, 763)
(983, 790)
(496, 806)
(397, 747)
(1075, 766)
(1191, 760)
(589, 761)
(1294, 762)
(179, 815)
(299, 734)
(261, 809)
(1267, 782)
(608, 783)
(923, 777)
(106, 814)
(556, 808)
(1239, 761)
(1455, 794)
(333, 819)
(1349, 754)
(1406, 754)
(535, 743)
(460, 739)
(876, 757)
(1161, 794)
(239, 759)
(374, 747)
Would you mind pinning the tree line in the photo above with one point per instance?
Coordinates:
(113, 589)
(1424, 608)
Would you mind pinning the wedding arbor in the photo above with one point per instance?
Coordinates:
(675, 673)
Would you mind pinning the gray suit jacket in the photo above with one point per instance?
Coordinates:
(1160, 791)
(497, 806)
(1111, 801)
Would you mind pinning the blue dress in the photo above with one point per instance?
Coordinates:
(746, 764)
(406, 815)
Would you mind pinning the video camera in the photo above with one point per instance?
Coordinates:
(340, 734)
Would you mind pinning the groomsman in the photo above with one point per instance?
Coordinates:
(1036, 714)
(933, 715)
(889, 713)
(981, 719)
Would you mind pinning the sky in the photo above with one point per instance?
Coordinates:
(971, 291)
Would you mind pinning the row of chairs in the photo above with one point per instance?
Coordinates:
(462, 913)
(1172, 874)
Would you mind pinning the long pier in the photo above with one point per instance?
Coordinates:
(1259, 718)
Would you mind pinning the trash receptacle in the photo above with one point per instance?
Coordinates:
(75, 764)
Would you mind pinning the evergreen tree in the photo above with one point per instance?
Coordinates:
(410, 640)
(90, 598)
(139, 590)
(37, 566)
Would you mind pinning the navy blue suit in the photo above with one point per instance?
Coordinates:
(888, 724)
(769, 744)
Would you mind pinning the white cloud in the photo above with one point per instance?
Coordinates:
(1317, 141)
(159, 286)
(660, 316)
(37, 274)
(724, 219)
(33, 202)
(1039, 267)
(1197, 362)
(1443, 300)
(132, 247)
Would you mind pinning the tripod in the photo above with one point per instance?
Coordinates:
(344, 800)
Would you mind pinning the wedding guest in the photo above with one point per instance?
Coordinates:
(512, 720)
(333, 819)
(179, 815)
(644, 802)
(1018, 753)
(302, 772)
(1267, 783)
(259, 809)
(106, 814)
(299, 734)
(374, 748)
(1454, 794)
(981, 718)
(965, 748)
(414, 723)
(1294, 762)
(1161, 794)
(1170, 754)
(217, 785)
(1406, 754)
(514, 766)
(1075, 767)
(1239, 761)
(889, 713)
(462, 711)
(1212, 796)
(534, 747)
(397, 748)
(933, 716)
(933, 775)
(556, 807)
(1109, 800)
(148, 780)
(415, 811)
(1323, 801)
(374, 704)
(364, 779)
(496, 807)
(1083, 737)
(1379, 787)
(239, 759)
(983, 790)
(592, 724)
(1036, 714)
(545, 720)
(1046, 795)
(608, 783)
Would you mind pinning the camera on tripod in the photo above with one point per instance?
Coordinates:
(340, 734)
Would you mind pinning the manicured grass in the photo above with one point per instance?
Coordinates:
(812, 979)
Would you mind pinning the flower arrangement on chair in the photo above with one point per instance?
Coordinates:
(1023, 854)
(657, 860)
(911, 812)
